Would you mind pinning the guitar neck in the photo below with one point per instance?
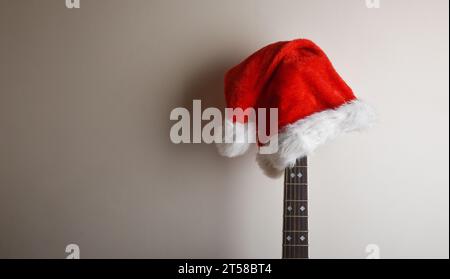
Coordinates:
(295, 216)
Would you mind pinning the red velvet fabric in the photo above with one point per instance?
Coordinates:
(294, 76)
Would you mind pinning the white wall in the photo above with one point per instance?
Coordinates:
(85, 156)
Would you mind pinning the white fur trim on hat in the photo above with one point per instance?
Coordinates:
(301, 138)
(236, 139)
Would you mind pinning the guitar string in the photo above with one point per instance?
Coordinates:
(294, 248)
(293, 197)
(299, 196)
(302, 249)
(293, 219)
(288, 219)
(301, 227)
(296, 221)
(297, 227)
(300, 189)
(288, 248)
(305, 175)
(307, 207)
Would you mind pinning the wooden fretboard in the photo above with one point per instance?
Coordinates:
(295, 216)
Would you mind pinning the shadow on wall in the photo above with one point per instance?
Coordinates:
(204, 195)
(206, 85)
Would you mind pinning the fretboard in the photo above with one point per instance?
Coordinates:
(295, 216)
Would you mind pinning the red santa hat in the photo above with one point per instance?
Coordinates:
(314, 104)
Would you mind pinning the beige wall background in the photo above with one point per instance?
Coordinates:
(85, 155)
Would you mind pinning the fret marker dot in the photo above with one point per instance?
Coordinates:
(289, 208)
(302, 208)
(302, 238)
(289, 238)
(292, 175)
(299, 175)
